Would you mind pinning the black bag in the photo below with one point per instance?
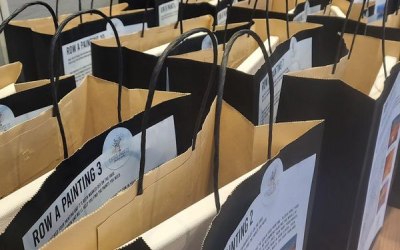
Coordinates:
(76, 42)
(254, 107)
(336, 23)
(169, 11)
(352, 135)
(248, 187)
(19, 41)
(270, 209)
(29, 45)
(143, 62)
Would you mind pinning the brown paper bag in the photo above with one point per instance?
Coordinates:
(156, 36)
(194, 156)
(178, 183)
(244, 46)
(85, 112)
(353, 100)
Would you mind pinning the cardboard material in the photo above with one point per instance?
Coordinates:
(9, 74)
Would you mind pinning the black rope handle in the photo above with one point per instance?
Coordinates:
(253, 12)
(229, 6)
(384, 19)
(357, 28)
(355, 35)
(79, 8)
(340, 45)
(287, 19)
(55, 79)
(268, 27)
(25, 6)
(221, 85)
(267, 21)
(383, 33)
(216, 15)
(110, 6)
(153, 82)
(144, 17)
(180, 16)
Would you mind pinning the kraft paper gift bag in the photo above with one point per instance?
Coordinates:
(296, 10)
(85, 112)
(307, 47)
(20, 42)
(359, 105)
(107, 163)
(135, 56)
(126, 153)
(139, 51)
(76, 40)
(187, 229)
(288, 143)
(29, 100)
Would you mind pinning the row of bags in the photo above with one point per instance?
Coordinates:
(28, 40)
(324, 186)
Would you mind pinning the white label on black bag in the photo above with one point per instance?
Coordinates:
(221, 16)
(8, 120)
(77, 57)
(114, 170)
(382, 168)
(298, 57)
(277, 217)
(168, 12)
